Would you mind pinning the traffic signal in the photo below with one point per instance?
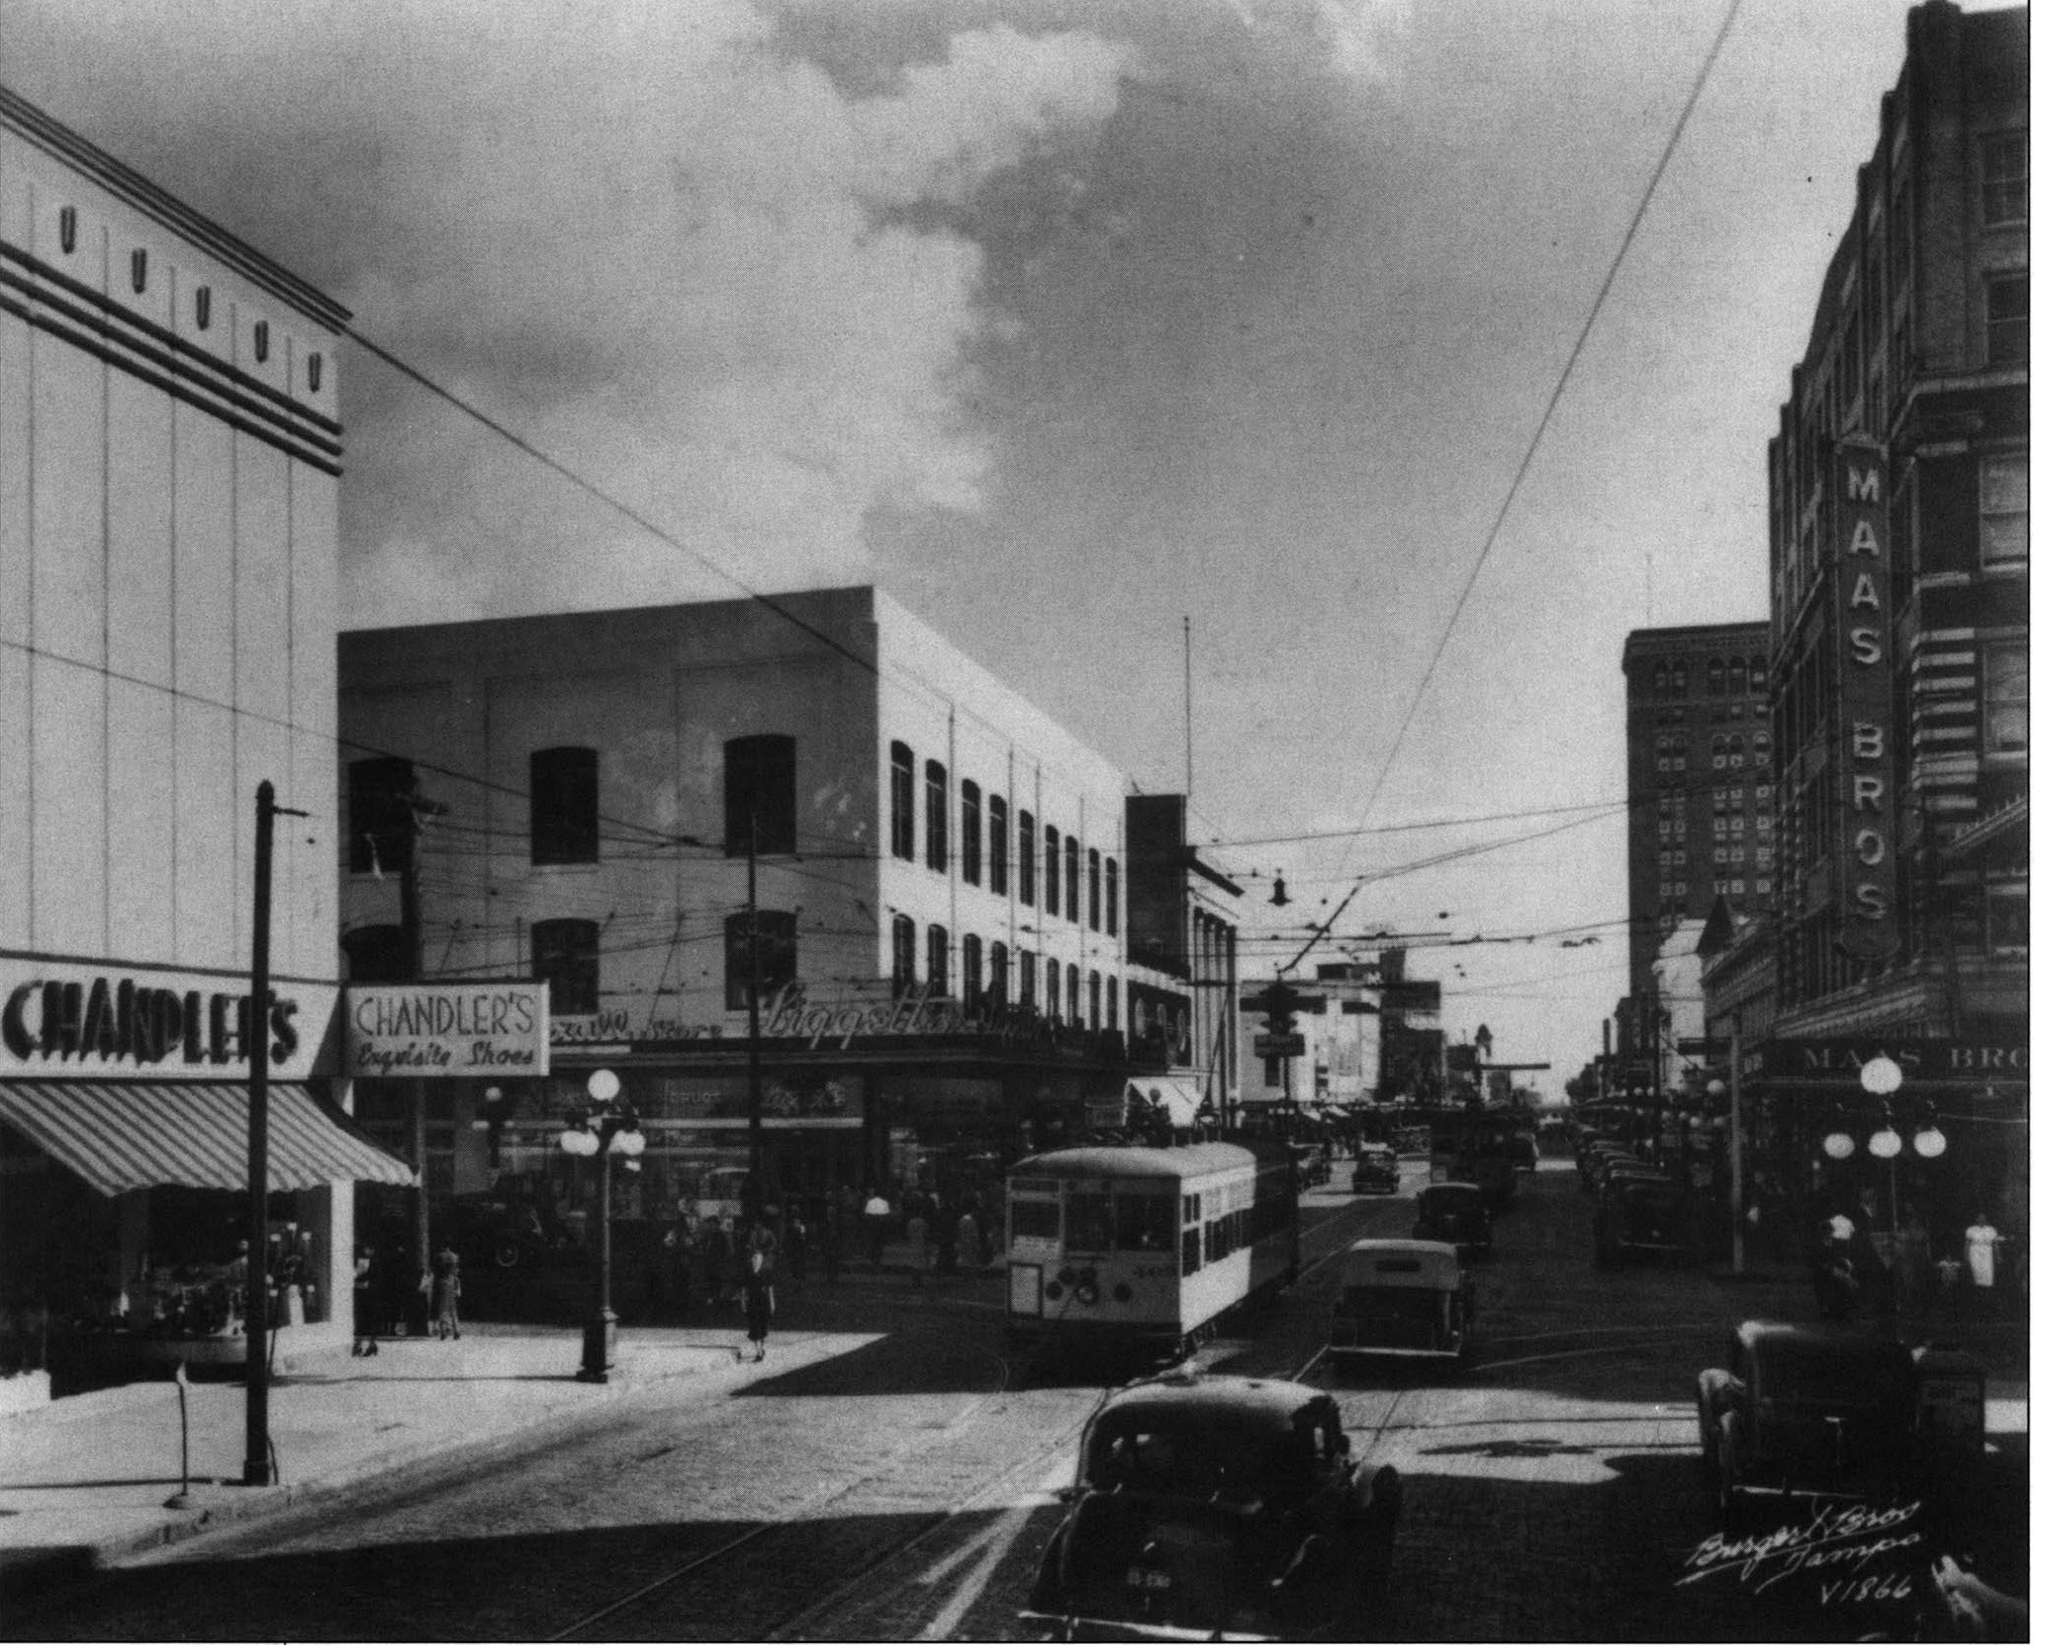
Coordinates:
(1278, 1008)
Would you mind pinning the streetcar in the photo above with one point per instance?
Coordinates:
(1146, 1250)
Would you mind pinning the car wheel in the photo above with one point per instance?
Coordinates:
(507, 1253)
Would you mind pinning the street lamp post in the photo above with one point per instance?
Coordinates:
(601, 1128)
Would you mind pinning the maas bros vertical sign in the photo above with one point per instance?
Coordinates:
(1864, 670)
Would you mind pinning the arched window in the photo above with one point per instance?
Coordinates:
(566, 955)
(1028, 859)
(1761, 747)
(998, 955)
(996, 842)
(1678, 678)
(778, 951)
(1113, 905)
(1071, 1002)
(939, 961)
(1027, 968)
(1717, 675)
(936, 835)
(1093, 889)
(974, 969)
(759, 785)
(973, 827)
(377, 953)
(1052, 869)
(1093, 1000)
(1757, 673)
(902, 821)
(903, 954)
(1071, 879)
(1738, 677)
(1053, 988)
(1113, 1001)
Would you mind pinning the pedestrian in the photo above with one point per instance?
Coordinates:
(1981, 1249)
(918, 1239)
(363, 1303)
(448, 1288)
(757, 1300)
(832, 1222)
(877, 1215)
(968, 1240)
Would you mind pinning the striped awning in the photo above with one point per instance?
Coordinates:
(1179, 1098)
(118, 1135)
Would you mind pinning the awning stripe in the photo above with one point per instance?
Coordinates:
(121, 1136)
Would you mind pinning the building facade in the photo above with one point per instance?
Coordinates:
(936, 874)
(1701, 800)
(169, 459)
(1898, 564)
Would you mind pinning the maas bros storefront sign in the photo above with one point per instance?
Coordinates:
(65, 1018)
(1864, 678)
(447, 1030)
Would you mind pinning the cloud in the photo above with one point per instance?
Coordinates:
(664, 251)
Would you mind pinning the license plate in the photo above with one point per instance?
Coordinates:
(1141, 1576)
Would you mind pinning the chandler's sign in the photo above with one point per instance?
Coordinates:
(447, 1030)
(59, 1017)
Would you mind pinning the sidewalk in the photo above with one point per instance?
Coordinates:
(86, 1480)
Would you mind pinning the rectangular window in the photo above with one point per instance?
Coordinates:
(759, 791)
(1053, 988)
(2003, 509)
(996, 843)
(564, 805)
(973, 827)
(936, 817)
(1028, 859)
(1093, 888)
(1113, 903)
(1144, 1222)
(1071, 866)
(2007, 319)
(974, 970)
(901, 827)
(777, 957)
(566, 955)
(1052, 869)
(2005, 184)
(939, 961)
(2007, 918)
(1025, 963)
(2006, 694)
(381, 815)
(903, 954)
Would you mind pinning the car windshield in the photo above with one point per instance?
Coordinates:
(1830, 1374)
(1180, 1454)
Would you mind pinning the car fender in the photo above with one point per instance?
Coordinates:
(1717, 1393)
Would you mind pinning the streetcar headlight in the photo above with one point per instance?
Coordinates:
(1089, 1293)
(1067, 1276)
(1054, 1291)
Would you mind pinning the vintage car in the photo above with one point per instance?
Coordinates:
(1455, 1213)
(1643, 1212)
(1312, 1165)
(1804, 1414)
(1521, 1148)
(1213, 1507)
(1406, 1298)
(1377, 1171)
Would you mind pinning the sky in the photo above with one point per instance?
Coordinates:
(1071, 324)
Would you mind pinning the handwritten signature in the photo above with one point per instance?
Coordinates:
(1837, 1544)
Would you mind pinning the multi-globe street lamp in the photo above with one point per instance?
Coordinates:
(602, 1127)
(1881, 1078)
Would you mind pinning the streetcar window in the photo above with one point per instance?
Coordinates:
(1089, 1223)
(1034, 1218)
(1142, 1222)
(1189, 1251)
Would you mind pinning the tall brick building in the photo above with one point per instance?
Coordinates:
(1899, 615)
(1700, 796)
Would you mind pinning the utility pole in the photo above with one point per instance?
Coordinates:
(257, 1468)
(756, 1053)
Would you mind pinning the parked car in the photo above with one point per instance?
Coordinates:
(488, 1231)
(1521, 1148)
(1643, 1212)
(1313, 1165)
(1407, 1298)
(1455, 1213)
(1803, 1413)
(1377, 1171)
(1219, 1508)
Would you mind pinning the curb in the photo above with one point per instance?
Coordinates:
(32, 1567)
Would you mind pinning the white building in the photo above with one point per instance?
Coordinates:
(169, 457)
(939, 883)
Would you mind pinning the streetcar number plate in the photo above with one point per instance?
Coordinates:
(1140, 1576)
